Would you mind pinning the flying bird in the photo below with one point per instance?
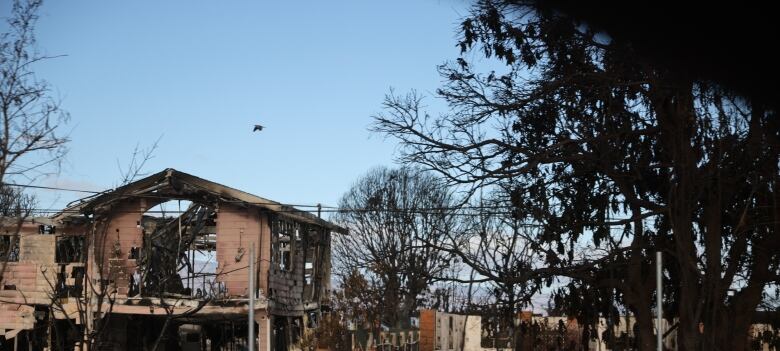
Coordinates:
(257, 128)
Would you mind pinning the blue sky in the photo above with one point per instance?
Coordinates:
(201, 74)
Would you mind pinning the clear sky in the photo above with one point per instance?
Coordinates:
(202, 73)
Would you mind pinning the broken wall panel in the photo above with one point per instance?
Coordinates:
(38, 248)
(16, 316)
(116, 237)
(20, 276)
(264, 266)
(237, 229)
(29, 281)
(34, 276)
(298, 267)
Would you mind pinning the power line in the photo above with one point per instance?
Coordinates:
(334, 210)
(485, 210)
(324, 209)
(51, 188)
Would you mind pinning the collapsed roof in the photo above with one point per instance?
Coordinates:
(173, 184)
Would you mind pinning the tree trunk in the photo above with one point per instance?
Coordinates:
(641, 287)
(673, 104)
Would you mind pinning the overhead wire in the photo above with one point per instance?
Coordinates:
(320, 207)
(467, 210)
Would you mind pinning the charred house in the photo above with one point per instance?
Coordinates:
(162, 264)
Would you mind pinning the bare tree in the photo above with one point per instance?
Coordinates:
(94, 302)
(390, 213)
(499, 251)
(97, 303)
(30, 143)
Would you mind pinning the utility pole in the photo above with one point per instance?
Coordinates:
(251, 323)
(659, 298)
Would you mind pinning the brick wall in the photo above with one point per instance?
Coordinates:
(123, 229)
(427, 330)
(238, 229)
(35, 273)
(14, 316)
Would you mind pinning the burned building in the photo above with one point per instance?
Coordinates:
(162, 263)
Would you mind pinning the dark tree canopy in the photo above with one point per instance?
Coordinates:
(725, 43)
(614, 157)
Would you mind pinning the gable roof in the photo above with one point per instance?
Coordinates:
(174, 184)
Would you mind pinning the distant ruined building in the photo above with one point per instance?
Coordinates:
(441, 331)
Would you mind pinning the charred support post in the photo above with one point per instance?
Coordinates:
(193, 269)
(251, 295)
(659, 299)
(88, 292)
